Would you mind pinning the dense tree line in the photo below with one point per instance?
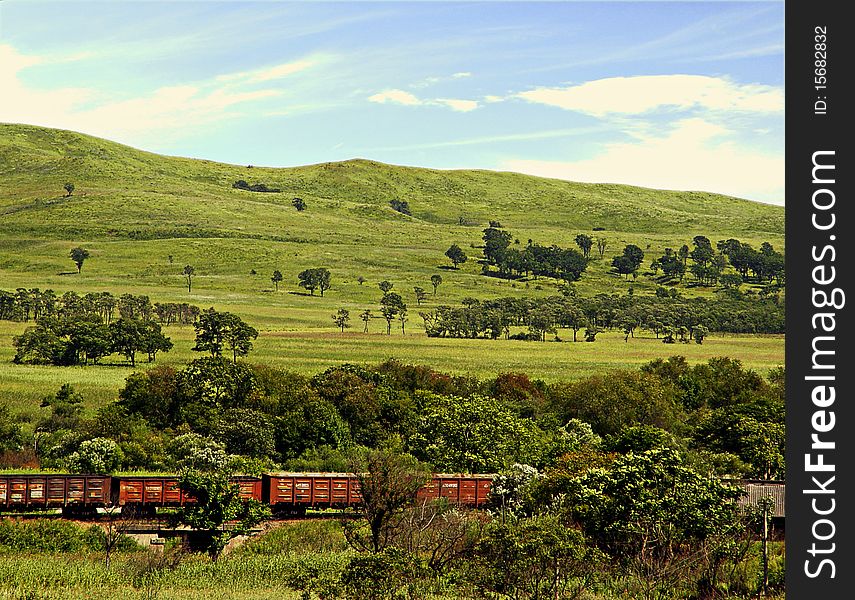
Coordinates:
(721, 417)
(709, 265)
(32, 304)
(241, 184)
(665, 315)
(565, 264)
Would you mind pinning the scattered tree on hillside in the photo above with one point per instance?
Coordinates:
(299, 204)
(585, 242)
(360, 280)
(342, 319)
(402, 317)
(420, 293)
(390, 306)
(69, 189)
(435, 280)
(217, 331)
(601, 246)
(276, 278)
(79, 256)
(402, 206)
(456, 255)
(628, 262)
(189, 271)
(385, 287)
(315, 279)
(366, 317)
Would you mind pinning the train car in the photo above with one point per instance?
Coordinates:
(464, 490)
(72, 493)
(295, 492)
(151, 492)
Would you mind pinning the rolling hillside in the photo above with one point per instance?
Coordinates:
(134, 209)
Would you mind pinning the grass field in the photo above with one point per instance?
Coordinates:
(143, 217)
(310, 352)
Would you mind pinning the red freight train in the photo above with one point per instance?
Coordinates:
(283, 492)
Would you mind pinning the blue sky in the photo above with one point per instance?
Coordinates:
(680, 95)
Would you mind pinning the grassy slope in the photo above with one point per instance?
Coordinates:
(134, 209)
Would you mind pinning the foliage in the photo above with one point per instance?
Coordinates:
(79, 256)
(475, 434)
(217, 331)
(456, 255)
(539, 557)
(388, 482)
(315, 279)
(218, 514)
(98, 455)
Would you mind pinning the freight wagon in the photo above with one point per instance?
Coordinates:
(74, 494)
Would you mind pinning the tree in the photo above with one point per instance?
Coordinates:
(366, 317)
(388, 482)
(390, 305)
(312, 279)
(127, 338)
(535, 558)
(299, 204)
(435, 280)
(216, 331)
(656, 515)
(277, 277)
(79, 255)
(475, 434)
(98, 455)
(69, 189)
(420, 294)
(219, 513)
(455, 255)
(585, 242)
(154, 341)
(601, 246)
(360, 280)
(385, 287)
(402, 317)
(342, 319)
(11, 437)
(189, 271)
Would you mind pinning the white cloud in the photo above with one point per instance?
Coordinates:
(694, 155)
(491, 99)
(163, 110)
(458, 105)
(395, 97)
(636, 95)
(269, 73)
(461, 75)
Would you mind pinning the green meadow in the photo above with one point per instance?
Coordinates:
(143, 217)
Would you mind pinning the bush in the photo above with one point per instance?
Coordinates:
(391, 573)
(53, 536)
(99, 455)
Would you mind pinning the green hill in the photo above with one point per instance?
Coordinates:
(143, 217)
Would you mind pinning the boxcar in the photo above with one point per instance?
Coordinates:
(299, 491)
(70, 492)
(465, 490)
(296, 492)
(154, 491)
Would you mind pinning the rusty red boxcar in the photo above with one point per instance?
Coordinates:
(54, 491)
(153, 491)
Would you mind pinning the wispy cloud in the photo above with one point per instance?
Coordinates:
(163, 109)
(640, 94)
(396, 96)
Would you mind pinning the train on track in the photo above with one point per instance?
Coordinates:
(285, 493)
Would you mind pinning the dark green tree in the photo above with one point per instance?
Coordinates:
(189, 271)
(342, 319)
(435, 280)
(456, 255)
(276, 278)
(69, 189)
(79, 256)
